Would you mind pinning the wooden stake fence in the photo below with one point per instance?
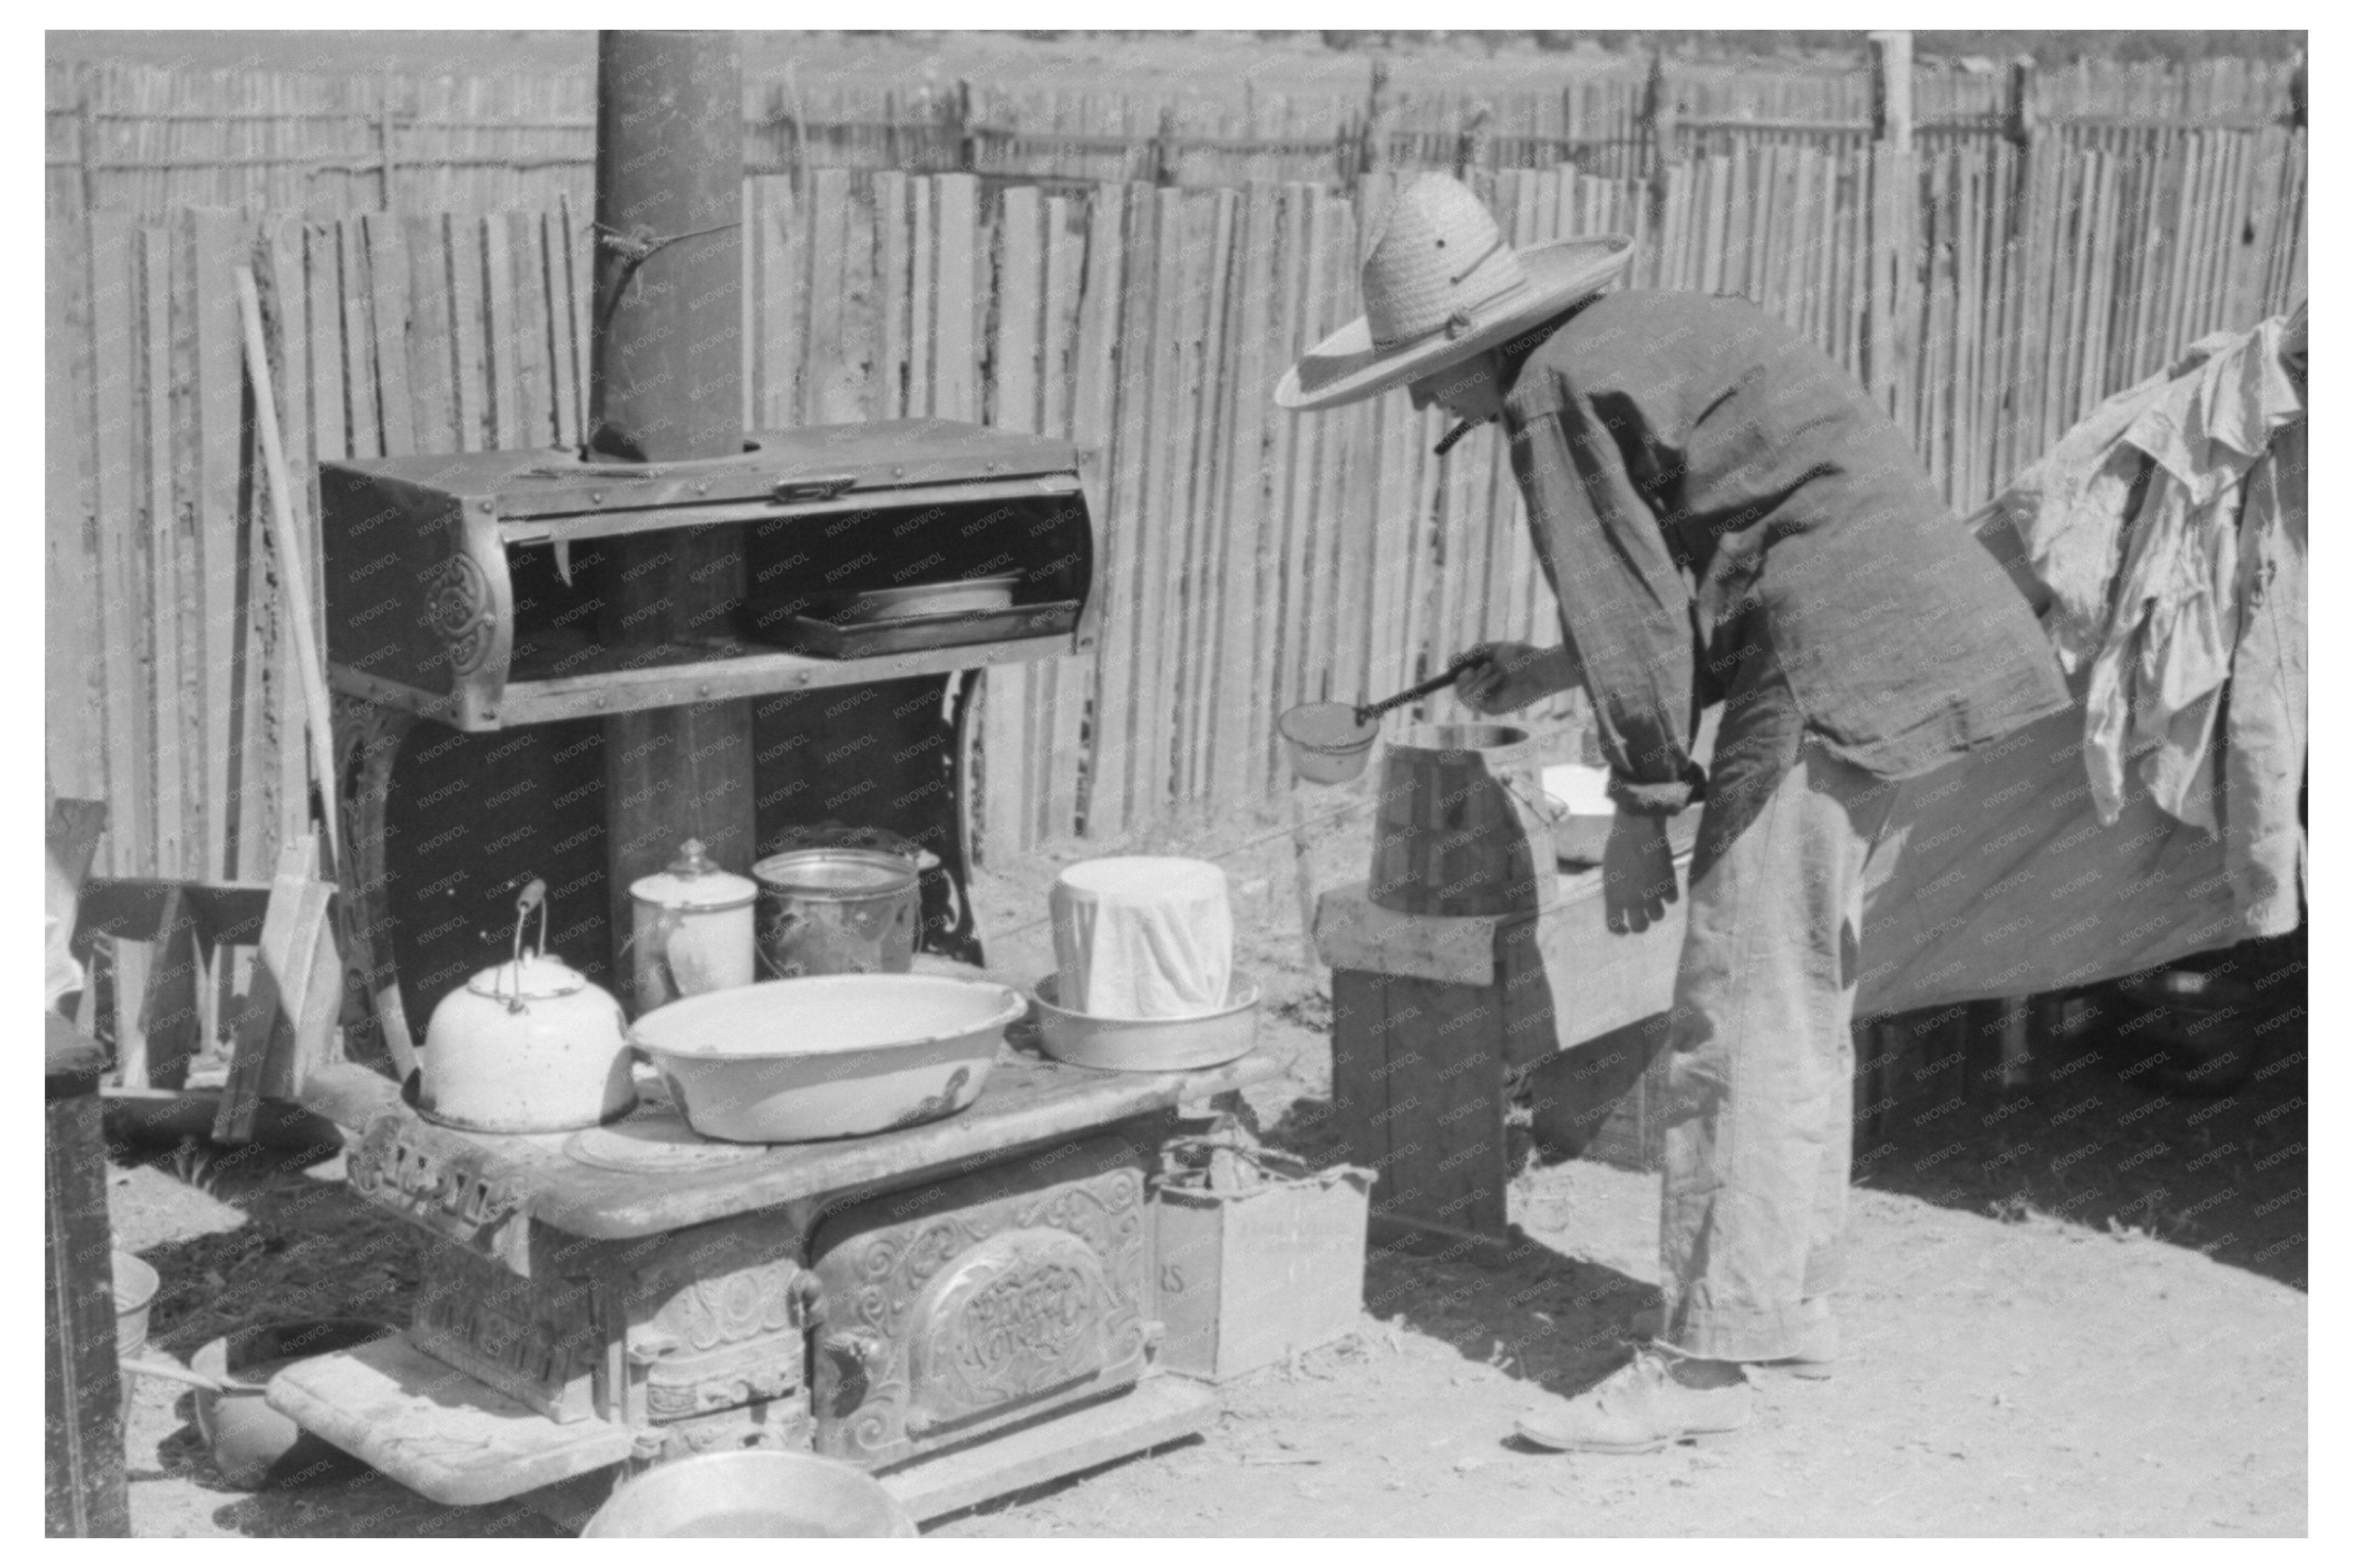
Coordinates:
(1990, 294)
(154, 141)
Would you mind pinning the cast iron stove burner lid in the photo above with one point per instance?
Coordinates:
(654, 1141)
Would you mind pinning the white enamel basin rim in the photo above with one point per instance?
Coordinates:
(826, 1015)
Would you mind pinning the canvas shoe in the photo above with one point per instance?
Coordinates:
(1638, 1409)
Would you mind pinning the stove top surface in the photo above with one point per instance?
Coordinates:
(649, 1173)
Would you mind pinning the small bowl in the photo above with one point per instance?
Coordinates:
(832, 1056)
(1151, 1045)
(752, 1493)
(252, 1445)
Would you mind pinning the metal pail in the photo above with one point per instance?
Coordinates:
(838, 911)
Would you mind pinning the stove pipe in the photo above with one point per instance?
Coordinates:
(665, 386)
(666, 367)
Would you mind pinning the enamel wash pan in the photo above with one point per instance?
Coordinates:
(833, 1056)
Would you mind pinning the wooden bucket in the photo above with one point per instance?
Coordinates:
(1461, 827)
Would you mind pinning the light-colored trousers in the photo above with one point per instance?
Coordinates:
(1760, 1101)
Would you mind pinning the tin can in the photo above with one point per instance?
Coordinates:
(838, 911)
(691, 930)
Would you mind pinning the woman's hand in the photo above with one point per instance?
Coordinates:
(1511, 674)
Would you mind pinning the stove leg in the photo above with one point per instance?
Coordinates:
(368, 737)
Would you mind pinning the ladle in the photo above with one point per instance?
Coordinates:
(1330, 741)
(1369, 711)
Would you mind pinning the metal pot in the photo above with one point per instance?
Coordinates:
(753, 1492)
(691, 930)
(838, 911)
(252, 1445)
(135, 1284)
(527, 1047)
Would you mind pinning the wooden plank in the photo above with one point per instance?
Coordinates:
(1207, 366)
(1664, 269)
(1740, 203)
(1155, 553)
(1092, 373)
(924, 298)
(1285, 433)
(2073, 300)
(324, 301)
(2092, 383)
(1321, 220)
(432, 375)
(580, 260)
(123, 589)
(1819, 176)
(830, 388)
(73, 665)
(1237, 704)
(892, 240)
(174, 709)
(1337, 445)
(1182, 409)
(361, 351)
(551, 274)
(1119, 533)
(1934, 435)
(170, 1015)
(1361, 1087)
(388, 308)
(299, 983)
(1713, 226)
(2200, 250)
(2034, 310)
(2251, 275)
(525, 339)
(501, 377)
(217, 244)
(2180, 223)
(1969, 328)
(470, 331)
(957, 366)
(281, 285)
(1346, 520)
(1009, 751)
(1446, 1105)
(747, 280)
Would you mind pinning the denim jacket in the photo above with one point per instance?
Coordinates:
(1704, 485)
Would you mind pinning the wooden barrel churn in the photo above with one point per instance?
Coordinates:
(1461, 827)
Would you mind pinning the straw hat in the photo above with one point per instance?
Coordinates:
(1440, 285)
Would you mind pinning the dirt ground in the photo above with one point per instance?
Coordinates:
(2075, 1307)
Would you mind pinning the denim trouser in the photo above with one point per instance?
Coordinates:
(1761, 1107)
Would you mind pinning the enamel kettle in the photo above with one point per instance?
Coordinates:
(529, 1046)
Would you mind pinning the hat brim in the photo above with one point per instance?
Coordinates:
(1347, 367)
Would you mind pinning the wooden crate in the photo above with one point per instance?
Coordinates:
(1434, 1015)
(1248, 1278)
(1605, 1099)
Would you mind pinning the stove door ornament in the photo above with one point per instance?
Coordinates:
(1021, 1314)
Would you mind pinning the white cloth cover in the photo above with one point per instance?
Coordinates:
(1142, 936)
